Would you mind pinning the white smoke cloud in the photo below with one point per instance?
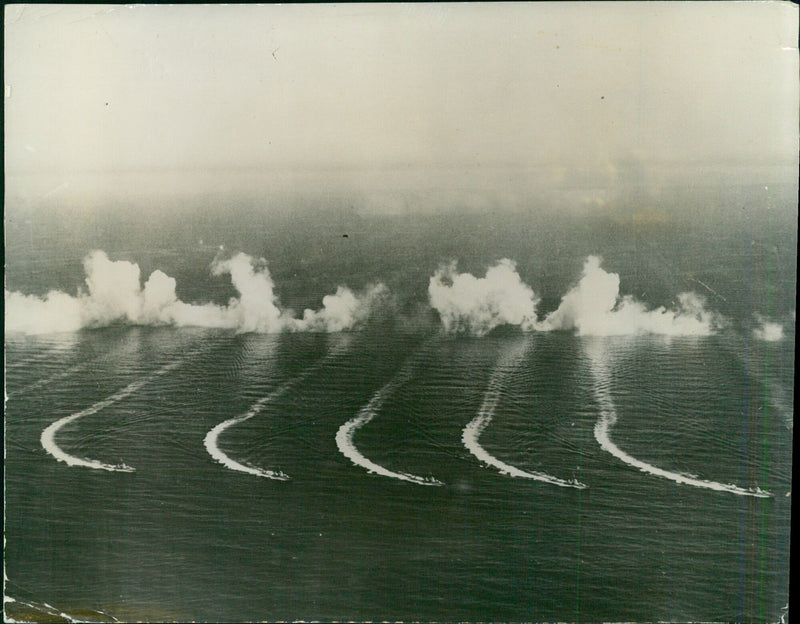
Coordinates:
(594, 307)
(158, 296)
(114, 288)
(115, 295)
(466, 304)
(769, 331)
(256, 309)
(55, 312)
(340, 311)
(469, 304)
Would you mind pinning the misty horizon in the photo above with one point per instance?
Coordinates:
(105, 100)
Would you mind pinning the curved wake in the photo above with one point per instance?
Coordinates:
(602, 430)
(345, 434)
(211, 440)
(476, 426)
(48, 438)
(212, 437)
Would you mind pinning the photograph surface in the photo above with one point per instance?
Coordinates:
(400, 312)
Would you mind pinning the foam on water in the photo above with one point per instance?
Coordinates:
(608, 418)
(211, 440)
(48, 438)
(346, 433)
(472, 432)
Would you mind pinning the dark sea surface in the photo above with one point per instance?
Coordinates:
(185, 538)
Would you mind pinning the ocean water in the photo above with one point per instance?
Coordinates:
(513, 476)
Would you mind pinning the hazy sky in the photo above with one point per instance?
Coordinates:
(571, 86)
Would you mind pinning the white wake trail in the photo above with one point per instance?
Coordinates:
(48, 438)
(602, 431)
(211, 440)
(345, 434)
(472, 432)
(46, 381)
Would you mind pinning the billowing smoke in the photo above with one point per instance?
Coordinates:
(468, 304)
(476, 305)
(114, 295)
(341, 311)
(256, 309)
(594, 307)
(769, 331)
(55, 312)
